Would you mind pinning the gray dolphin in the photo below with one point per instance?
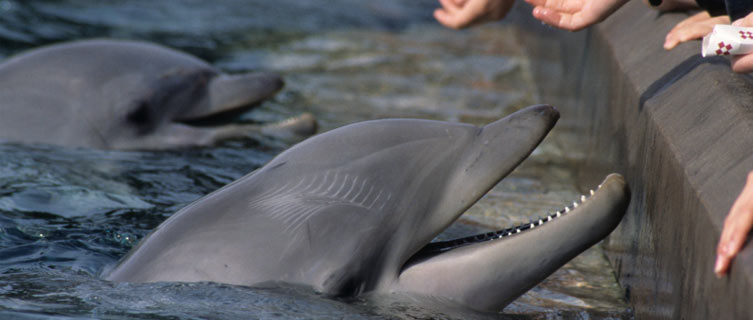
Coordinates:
(127, 95)
(354, 210)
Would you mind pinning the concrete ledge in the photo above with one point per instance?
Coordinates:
(680, 128)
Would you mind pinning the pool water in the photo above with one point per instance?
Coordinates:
(67, 214)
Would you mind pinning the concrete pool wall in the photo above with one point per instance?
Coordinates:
(680, 128)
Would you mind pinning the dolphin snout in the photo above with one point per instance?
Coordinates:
(547, 111)
(275, 82)
(233, 91)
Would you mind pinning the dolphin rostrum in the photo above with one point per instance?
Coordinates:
(128, 95)
(354, 210)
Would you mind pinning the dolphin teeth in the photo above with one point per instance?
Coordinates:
(582, 198)
(517, 230)
(592, 191)
(533, 226)
(567, 209)
(549, 218)
(541, 222)
(575, 205)
(559, 213)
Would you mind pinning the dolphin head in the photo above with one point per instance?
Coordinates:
(355, 210)
(129, 95)
(151, 84)
(196, 106)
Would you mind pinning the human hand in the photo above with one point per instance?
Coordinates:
(743, 63)
(573, 15)
(458, 14)
(693, 27)
(736, 227)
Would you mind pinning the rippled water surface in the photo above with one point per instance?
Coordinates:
(66, 214)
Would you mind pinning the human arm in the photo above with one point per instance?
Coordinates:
(573, 15)
(458, 14)
(737, 225)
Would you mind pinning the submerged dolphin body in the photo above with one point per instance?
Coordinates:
(127, 95)
(354, 210)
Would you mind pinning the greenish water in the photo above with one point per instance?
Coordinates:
(65, 214)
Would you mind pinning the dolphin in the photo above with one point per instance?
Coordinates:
(118, 94)
(354, 210)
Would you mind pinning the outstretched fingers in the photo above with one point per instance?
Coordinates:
(737, 225)
(565, 6)
(450, 13)
(574, 15)
(563, 14)
(693, 27)
(567, 21)
(458, 14)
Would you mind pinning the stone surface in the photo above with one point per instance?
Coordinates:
(680, 128)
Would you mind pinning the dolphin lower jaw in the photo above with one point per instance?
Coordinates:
(179, 135)
(488, 271)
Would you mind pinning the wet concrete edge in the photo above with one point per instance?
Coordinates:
(680, 128)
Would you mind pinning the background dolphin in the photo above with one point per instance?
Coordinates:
(126, 95)
(350, 210)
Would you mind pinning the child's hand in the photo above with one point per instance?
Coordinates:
(693, 27)
(737, 225)
(458, 14)
(573, 15)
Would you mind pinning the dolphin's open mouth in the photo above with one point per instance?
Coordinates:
(490, 270)
(439, 247)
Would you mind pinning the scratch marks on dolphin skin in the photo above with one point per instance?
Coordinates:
(295, 202)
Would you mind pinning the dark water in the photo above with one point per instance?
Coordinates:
(66, 214)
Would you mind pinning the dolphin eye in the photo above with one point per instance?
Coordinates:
(140, 114)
